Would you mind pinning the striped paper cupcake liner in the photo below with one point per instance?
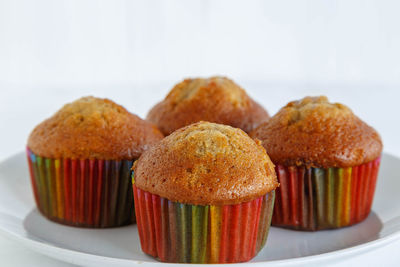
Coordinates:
(183, 233)
(83, 192)
(314, 199)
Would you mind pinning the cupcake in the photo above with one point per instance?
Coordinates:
(327, 162)
(204, 194)
(80, 161)
(216, 99)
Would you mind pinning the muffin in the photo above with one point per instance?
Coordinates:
(216, 99)
(204, 194)
(80, 160)
(327, 162)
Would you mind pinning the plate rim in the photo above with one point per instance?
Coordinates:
(68, 255)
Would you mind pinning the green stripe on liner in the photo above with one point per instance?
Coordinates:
(330, 197)
(338, 196)
(184, 231)
(319, 181)
(199, 233)
(267, 208)
(42, 185)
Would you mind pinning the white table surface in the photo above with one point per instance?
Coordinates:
(22, 108)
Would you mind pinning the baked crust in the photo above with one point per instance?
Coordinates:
(206, 164)
(93, 128)
(216, 99)
(316, 133)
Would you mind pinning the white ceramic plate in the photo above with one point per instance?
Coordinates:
(120, 246)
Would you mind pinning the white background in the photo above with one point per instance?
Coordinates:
(52, 52)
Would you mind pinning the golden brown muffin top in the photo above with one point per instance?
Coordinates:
(316, 133)
(206, 164)
(216, 99)
(93, 128)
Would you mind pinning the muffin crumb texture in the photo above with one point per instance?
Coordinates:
(312, 106)
(206, 163)
(316, 133)
(215, 99)
(235, 95)
(93, 128)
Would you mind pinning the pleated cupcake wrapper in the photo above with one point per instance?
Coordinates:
(183, 233)
(83, 192)
(314, 198)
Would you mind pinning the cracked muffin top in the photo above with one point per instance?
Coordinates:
(316, 133)
(93, 128)
(206, 164)
(216, 99)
